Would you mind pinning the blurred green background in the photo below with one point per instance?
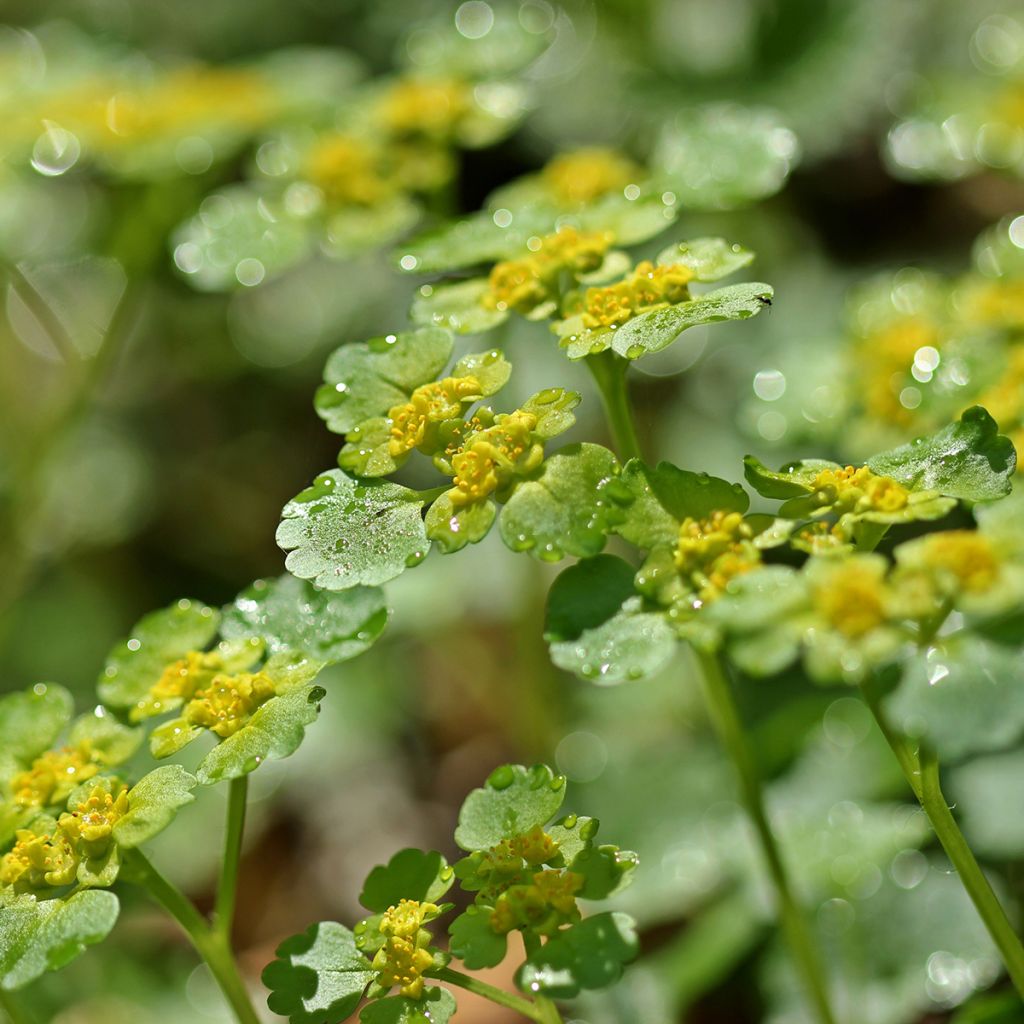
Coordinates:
(154, 418)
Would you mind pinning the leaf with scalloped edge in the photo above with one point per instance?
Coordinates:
(459, 307)
(410, 875)
(292, 615)
(45, 935)
(710, 259)
(32, 719)
(474, 941)
(435, 1006)
(319, 976)
(341, 532)
(110, 742)
(512, 801)
(152, 804)
(365, 379)
(156, 641)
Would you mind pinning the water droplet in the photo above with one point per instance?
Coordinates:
(501, 778)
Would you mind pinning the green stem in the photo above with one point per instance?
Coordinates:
(922, 773)
(16, 1013)
(609, 373)
(545, 1010)
(227, 886)
(726, 719)
(209, 944)
(496, 995)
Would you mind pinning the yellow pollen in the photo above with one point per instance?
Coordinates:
(229, 701)
(93, 819)
(480, 466)
(400, 961)
(37, 860)
(714, 550)
(178, 683)
(406, 918)
(429, 404)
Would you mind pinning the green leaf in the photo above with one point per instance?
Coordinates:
(291, 614)
(458, 307)
(31, 721)
(654, 331)
(45, 935)
(491, 369)
(411, 875)
(319, 976)
(710, 259)
(513, 800)
(969, 460)
(273, 732)
(355, 229)
(665, 495)
(588, 955)
(156, 641)
(721, 156)
(629, 646)
(605, 870)
(436, 1006)
(793, 480)
(454, 527)
(570, 508)
(341, 532)
(587, 594)
(964, 697)
(574, 835)
(152, 804)
(553, 408)
(365, 379)
(474, 941)
(110, 742)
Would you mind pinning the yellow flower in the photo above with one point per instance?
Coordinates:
(964, 555)
(429, 404)
(712, 551)
(39, 859)
(93, 819)
(228, 702)
(178, 683)
(859, 490)
(406, 918)
(488, 456)
(424, 106)
(535, 846)
(649, 287)
(53, 775)
(852, 597)
(558, 889)
(348, 170)
(587, 174)
(401, 962)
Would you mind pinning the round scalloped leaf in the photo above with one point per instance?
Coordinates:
(459, 307)
(963, 698)
(319, 976)
(110, 741)
(969, 459)
(453, 528)
(31, 720)
(152, 803)
(587, 594)
(589, 955)
(651, 332)
(273, 732)
(574, 835)
(474, 941)
(710, 259)
(341, 532)
(365, 379)
(665, 495)
(435, 1006)
(722, 156)
(157, 640)
(410, 875)
(290, 614)
(512, 801)
(491, 369)
(45, 935)
(605, 870)
(570, 508)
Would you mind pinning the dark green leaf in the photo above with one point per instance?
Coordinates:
(436, 1006)
(411, 875)
(794, 480)
(319, 975)
(474, 941)
(587, 594)
(342, 532)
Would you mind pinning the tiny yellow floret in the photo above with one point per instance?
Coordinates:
(852, 599)
(859, 490)
(93, 819)
(648, 288)
(229, 702)
(429, 404)
(964, 554)
(53, 775)
(587, 174)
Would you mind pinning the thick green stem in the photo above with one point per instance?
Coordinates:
(227, 886)
(496, 995)
(921, 770)
(609, 372)
(726, 719)
(209, 944)
(15, 1012)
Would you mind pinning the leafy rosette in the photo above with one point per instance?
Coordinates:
(523, 873)
(652, 304)
(45, 755)
(245, 676)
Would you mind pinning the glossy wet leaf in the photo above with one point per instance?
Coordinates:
(291, 614)
(587, 594)
(512, 801)
(435, 1006)
(570, 508)
(32, 720)
(367, 378)
(793, 480)
(274, 731)
(459, 307)
(411, 875)
(474, 941)
(969, 459)
(664, 495)
(963, 697)
(710, 259)
(156, 641)
(651, 332)
(152, 804)
(342, 532)
(318, 976)
(452, 527)
(45, 935)
(110, 741)
(589, 955)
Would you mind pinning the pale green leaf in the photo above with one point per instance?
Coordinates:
(459, 307)
(710, 259)
(152, 804)
(32, 719)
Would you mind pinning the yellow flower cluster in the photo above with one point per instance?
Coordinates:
(525, 284)
(712, 551)
(229, 701)
(52, 776)
(859, 490)
(587, 174)
(348, 171)
(649, 287)
(966, 557)
(432, 107)
(549, 894)
(853, 598)
(428, 405)
(491, 455)
(178, 683)
(404, 958)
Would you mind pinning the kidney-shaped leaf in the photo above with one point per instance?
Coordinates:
(153, 802)
(411, 875)
(474, 941)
